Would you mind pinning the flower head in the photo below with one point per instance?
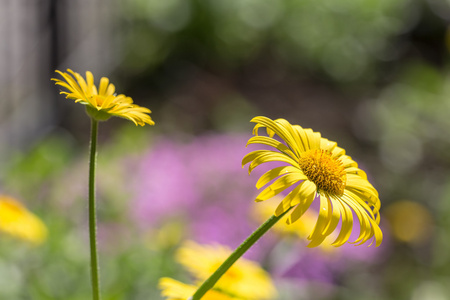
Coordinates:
(101, 103)
(16, 220)
(244, 280)
(315, 168)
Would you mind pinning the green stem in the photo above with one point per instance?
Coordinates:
(92, 213)
(258, 233)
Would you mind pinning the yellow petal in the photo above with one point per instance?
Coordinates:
(288, 201)
(90, 83)
(294, 140)
(259, 157)
(103, 86)
(317, 237)
(313, 138)
(280, 185)
(306, 196)
(335, 215)
(346, 226)
(274, 173)
(280, 130)
(327, 145)
(74, 87)
(271, 142)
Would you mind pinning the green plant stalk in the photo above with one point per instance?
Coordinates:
(256, 235)
(95, 281)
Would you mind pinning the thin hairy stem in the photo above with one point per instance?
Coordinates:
(93, 214)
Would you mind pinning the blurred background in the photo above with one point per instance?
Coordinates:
(372, 75)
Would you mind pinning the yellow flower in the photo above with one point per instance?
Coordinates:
(316, 167)
(16, 220)
(101, 103)
(244, 280)
(175, 290)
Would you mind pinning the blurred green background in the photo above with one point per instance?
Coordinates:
(371, 75)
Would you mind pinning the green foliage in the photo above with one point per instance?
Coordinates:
(344, 40)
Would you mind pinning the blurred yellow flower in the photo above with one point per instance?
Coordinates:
(410, 222)
(315, 167)
(101, 103)
(17, 221)
(244, 280)
(166, 235)
(175, 290)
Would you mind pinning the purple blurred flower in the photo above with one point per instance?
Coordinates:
(202, 182)
(311, 266)
(163, 185)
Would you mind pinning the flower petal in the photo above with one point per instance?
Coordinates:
(104, 82)
(259, 157)
(335, 215)
(279, 185)
(325, 213)
(284, 132)
(346, 226)
(274, 173)
(305, 197)
(286, 203)
(271, 142)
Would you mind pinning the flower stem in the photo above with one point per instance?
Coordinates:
(92, 213)
(258, 233)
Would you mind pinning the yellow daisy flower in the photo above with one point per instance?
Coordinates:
(175, 290)
(17, 221)
(316, 167)
(244, 280)
(101, 103)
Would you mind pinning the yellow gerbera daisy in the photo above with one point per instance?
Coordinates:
(175, 290)
(316, 167)
(16, 220)
(244, 280)
(101, 103)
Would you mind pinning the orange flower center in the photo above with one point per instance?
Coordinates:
(325, 171)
